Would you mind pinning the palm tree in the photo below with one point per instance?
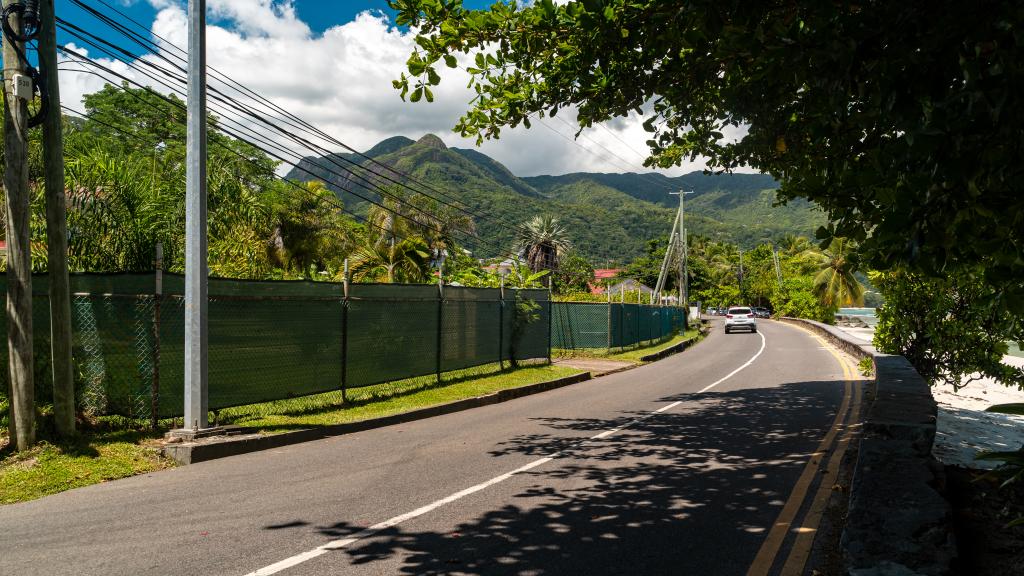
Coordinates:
(405, 260)
(792, 244)
(401, 215)
(541, 241)
(835, 284)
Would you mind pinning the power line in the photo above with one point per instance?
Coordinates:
(242, 89)
(134, 61)
(304, 190)
(287, 116)
(296, 165)
(370, 186)
(628, 164)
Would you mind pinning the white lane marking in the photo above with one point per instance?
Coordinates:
(668, 406)
(733, 373)
(373, 530)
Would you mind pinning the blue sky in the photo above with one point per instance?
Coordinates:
(318, 14)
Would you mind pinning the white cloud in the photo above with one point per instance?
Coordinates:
(341, 82)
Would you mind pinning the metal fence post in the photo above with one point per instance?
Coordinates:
(638, 318)
(440, 319)
(344, 337)
(501, 325)
(551, 318)
(609, 319)
(158, 296)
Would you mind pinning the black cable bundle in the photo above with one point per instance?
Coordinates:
(29, 13)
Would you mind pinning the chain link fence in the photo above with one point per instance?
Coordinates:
(579, 326)
(275, 340)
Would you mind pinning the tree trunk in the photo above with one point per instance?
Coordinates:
(56, 233)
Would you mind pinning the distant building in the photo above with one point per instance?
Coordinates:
(629, 285)
(503, 267)
(601, 277)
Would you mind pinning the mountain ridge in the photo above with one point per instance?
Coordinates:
(609, 216)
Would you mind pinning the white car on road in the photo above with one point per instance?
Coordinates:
(740, 319)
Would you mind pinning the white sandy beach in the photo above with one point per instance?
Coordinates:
(964, 428)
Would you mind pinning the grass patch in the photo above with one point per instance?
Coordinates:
(386, 399)
(627, 355)
(92, 458)
(867, 367)
(114, 447)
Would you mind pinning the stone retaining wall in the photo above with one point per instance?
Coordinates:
(898, 523)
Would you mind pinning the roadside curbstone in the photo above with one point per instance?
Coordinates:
(898, 523)
(673, 349)
(221, 447)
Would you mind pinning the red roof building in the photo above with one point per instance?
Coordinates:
(601, 276)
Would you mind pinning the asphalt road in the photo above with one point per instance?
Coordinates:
(695, 488)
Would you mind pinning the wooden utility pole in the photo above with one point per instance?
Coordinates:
(19, 256)
(56, 229)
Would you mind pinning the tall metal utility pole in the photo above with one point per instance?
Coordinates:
(741, 275)
(663, 272)
(56, 229)
(676, 243)
(684, 288)
(196, 336)
(778, 268)
(19, 257)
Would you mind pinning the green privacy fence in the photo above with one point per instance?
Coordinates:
(583, 325)
(274, 340)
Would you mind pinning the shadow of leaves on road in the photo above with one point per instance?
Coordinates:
(690, 491)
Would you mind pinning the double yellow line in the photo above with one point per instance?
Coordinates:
(845, 422)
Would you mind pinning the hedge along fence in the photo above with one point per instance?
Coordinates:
(271, 340)
(583, 325)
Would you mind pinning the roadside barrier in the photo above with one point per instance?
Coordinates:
(595, 325)
(272, 340)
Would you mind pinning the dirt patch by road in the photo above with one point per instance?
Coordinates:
(596, 366)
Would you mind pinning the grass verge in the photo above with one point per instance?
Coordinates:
(115, 447)
(386, 399)
(628, 355)
(92, 458)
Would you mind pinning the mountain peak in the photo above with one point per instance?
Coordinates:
(431, 141)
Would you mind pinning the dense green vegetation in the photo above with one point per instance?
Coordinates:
(901, 120)
(809, 282)
(608, 216)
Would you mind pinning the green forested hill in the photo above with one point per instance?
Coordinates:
(609, 216)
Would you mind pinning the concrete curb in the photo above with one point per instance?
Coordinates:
(673, 349)
(222, 447)
(193, 452)
(898, 522)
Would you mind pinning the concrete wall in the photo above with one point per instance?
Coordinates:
(898, 523)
